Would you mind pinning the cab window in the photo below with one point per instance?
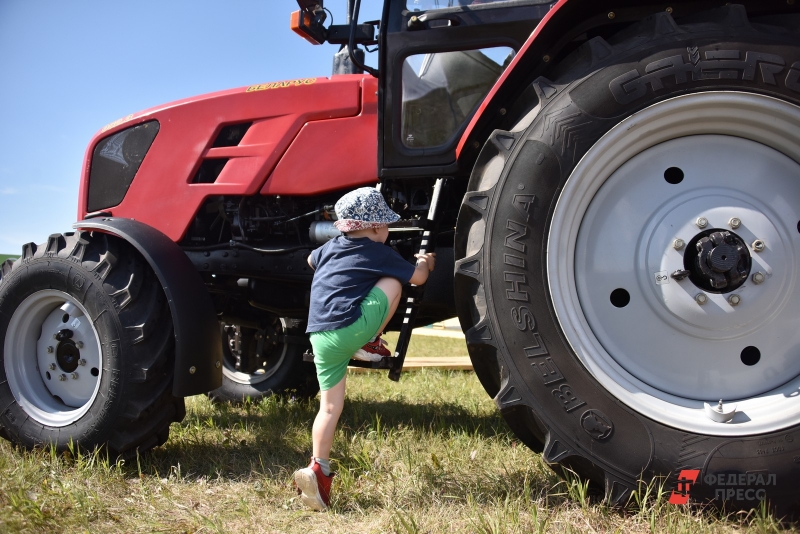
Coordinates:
(442, 89)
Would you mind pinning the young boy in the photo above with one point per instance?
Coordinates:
(356, 289)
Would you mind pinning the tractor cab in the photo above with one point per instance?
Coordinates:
(438, 59)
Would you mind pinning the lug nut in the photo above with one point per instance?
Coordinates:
(79, 344)
(735, 222)
(62, 377)
(678, 244)
(49, 350)
(52, 366)
(758, 277)
(759, 245)
(701, 298)
(192, 370)
(81, 362)
(734, 300)
(74, 376)
(217, 364)
(701, 222)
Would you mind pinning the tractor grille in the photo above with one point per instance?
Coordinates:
(115, 161)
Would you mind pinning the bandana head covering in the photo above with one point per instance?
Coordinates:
(363, 208)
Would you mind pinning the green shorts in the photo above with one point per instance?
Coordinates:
(333, 349)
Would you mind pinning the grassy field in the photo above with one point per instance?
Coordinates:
(4, 257)
(430, 454)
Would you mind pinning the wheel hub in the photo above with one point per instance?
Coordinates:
(717, 260)
(68, 355)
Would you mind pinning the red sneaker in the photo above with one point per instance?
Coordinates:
(314, 486)
(373, 351)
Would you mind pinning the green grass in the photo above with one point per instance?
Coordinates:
(429, 454)
(4, 257)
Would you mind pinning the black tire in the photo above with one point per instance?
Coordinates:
(270, 362)
(130, 336)
(527, 364)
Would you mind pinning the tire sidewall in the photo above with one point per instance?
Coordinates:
(539, 368)
(72, 278)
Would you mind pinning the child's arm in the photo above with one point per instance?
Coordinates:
(425, 264)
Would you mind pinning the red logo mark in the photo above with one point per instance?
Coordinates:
(680, 494)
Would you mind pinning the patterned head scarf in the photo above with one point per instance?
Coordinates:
(363, 208)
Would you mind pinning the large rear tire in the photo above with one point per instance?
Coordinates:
(597, 352)
(87, 348)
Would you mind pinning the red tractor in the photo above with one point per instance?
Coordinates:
(614, 185)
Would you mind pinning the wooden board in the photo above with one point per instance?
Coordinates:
(453, 363)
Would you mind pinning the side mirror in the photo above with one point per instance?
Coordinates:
(309, 22)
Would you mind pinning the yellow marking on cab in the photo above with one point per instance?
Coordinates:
(116, 123)
(281, 85)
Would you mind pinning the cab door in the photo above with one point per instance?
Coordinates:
(438, 60)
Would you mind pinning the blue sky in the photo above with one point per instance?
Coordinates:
(70, 67)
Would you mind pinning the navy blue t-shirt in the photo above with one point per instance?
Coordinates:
(346, 269)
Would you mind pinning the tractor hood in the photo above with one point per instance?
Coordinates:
(296, 137)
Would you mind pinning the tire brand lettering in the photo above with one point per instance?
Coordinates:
(793, 77)
(596, 424)
(568, 398)
(518, 232)
(514, 261)
(523, 203)
(717, 65)
(516, 279)
(548, 368)
(536, 350)
(523, 318)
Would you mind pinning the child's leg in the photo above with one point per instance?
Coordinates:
(393, 290)
(330, 408)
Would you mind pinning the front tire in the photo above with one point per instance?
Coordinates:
(580, 307)
(87, 347)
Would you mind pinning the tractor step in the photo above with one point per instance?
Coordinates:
(384, 363)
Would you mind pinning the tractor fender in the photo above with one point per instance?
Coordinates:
(566, 20)
(198, 345)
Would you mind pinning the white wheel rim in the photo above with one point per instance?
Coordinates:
(615, 221)
(55, 382)
(261, 374)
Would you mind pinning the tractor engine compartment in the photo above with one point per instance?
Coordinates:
(251, 250)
